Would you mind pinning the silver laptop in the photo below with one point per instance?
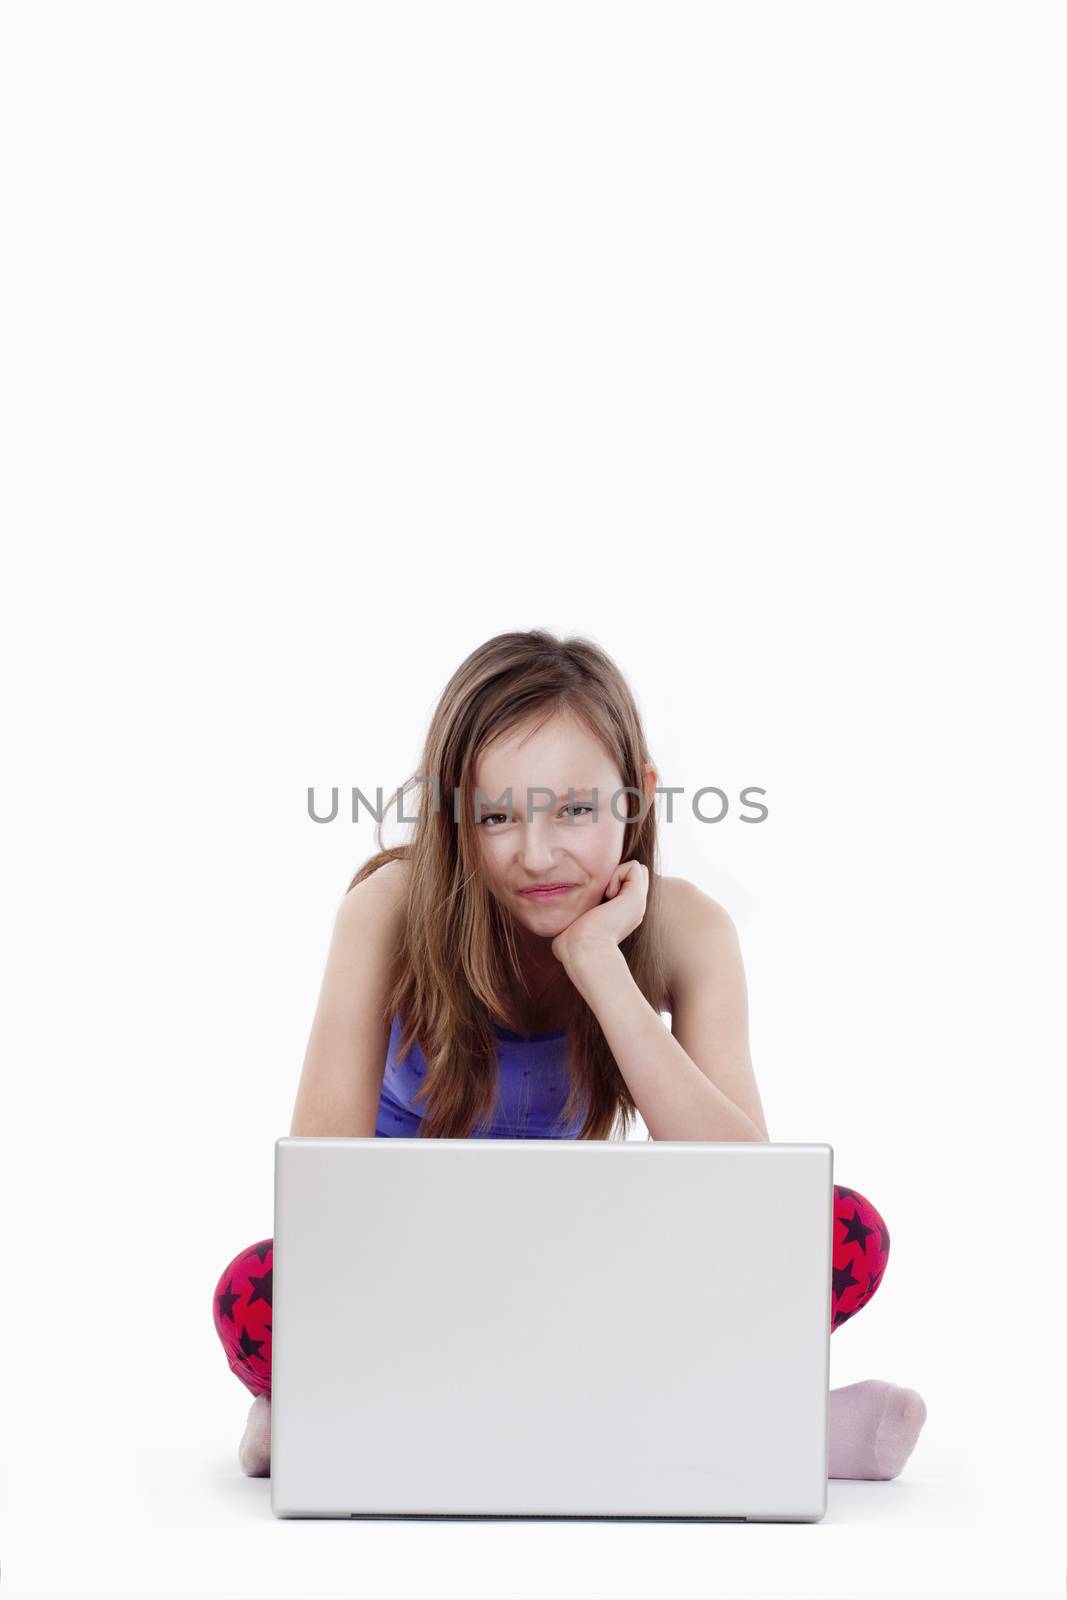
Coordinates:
(551, 1328)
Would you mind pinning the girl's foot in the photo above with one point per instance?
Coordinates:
(873, 1428)
(254, 1451)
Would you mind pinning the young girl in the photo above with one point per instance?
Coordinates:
(503, 976)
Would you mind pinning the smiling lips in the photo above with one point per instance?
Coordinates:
(549, 892)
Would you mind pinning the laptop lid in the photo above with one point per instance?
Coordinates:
(550, 1328)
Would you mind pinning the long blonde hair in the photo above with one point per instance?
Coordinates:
(456, 962)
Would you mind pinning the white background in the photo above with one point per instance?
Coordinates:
(339, 338)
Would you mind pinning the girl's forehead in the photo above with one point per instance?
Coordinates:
(560, 738)
(555, 770)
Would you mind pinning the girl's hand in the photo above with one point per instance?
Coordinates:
(619, 913)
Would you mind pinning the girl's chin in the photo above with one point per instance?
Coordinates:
(541, 915)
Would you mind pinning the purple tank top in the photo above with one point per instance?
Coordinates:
(533, 1085)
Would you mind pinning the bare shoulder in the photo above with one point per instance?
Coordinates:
(692, 920)
(686, 905)
(376, 905)
(389, 881)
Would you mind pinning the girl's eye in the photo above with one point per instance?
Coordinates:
(493, 815)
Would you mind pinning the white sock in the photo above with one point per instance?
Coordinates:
(873, 1428)
(254, 1451)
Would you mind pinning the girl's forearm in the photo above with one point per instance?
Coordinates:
(676, 1099)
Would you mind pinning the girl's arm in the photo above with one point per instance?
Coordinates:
(696, 1081)
(341, 1081)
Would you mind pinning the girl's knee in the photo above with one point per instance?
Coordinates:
(243, 1314)
(860, 1252)
(861, 1220)
(242, 1274)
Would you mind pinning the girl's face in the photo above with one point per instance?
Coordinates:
(560, 844)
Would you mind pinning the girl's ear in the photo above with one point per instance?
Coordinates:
(651, 780)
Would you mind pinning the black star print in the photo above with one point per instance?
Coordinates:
(843, 1279)
(842, 1316)
(263, 1287)
(872, 1282)
(251, 1347)
(225, 1301)
(856, 1232)
(846, 1194)
(884, 1231)
(262, 1250)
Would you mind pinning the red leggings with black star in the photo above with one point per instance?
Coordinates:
(243, 1293)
